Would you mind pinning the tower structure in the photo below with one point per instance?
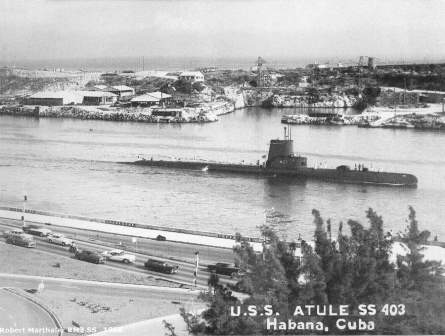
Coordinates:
(260, 74)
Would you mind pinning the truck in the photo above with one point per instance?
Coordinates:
(224, 269)
(18, 237)
(37, 230)
(160, 266)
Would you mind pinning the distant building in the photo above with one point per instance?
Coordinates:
(423, 96)
(109, 75)
(98, 97)
(121, 90)
(399, 97)
(5, 71)
(207, 69)
(56, 98)
(101, 87)
(192, 76)
(150, 99)
(303, 82)
(317, 66)
(128, 73)
(371, 63)
(60, 98)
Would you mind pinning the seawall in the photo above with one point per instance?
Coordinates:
(125, 228)
(205, 113)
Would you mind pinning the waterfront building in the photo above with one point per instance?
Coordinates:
(424, 96)
(121, 90)
(100, 87)
(393, 98)
(192, 76)
(151, 99)
(54, 98)
(98, 97)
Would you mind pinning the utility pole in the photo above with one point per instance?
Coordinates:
(25, 198)
(195, 273)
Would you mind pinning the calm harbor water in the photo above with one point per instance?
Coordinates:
(69, 166)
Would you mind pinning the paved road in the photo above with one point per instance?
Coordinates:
(21, 314)
(169, 249)
(184, 276)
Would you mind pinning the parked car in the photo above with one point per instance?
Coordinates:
(59, 239)
(160, 266)
(37, 230)
(119, 255)
(18, 237)
(90, 256)
(161, 238)
(224, 269)
(12, 232)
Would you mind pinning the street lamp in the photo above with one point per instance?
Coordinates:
(25, 198)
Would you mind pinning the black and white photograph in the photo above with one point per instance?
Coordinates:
(222, 167)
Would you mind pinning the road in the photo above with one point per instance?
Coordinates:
(184, 275)
(172, 250)
(21, 315)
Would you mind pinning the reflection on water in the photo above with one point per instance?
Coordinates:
(70, 166)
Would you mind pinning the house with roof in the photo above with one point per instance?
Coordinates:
(54, 98)
(151, 99)
(101, 87)
(98, 97)
(191, 76)
(121, 90)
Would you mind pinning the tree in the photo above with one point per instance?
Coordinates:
(170, 328)
(355, 269)
(183, 86)
(413, 271)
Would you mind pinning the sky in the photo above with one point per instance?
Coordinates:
(315, 29)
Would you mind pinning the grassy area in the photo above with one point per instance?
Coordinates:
(104, 311)
(11, 84)
(20, 260)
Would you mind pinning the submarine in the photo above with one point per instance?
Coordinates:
(281, 161)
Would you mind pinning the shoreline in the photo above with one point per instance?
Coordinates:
(206, 113)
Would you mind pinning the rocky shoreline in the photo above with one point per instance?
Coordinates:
(204, 113)
(372, 120)
(334, 101)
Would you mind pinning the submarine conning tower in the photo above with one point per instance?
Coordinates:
(280, 148)
(281, 154)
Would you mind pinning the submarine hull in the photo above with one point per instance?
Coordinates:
(333, 175)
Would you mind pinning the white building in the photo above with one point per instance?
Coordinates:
(54, 98)
(98, 97)
(121, 90)
(150, 99)
(192, 76)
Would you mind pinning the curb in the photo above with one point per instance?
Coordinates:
(41, 305)
(101, 283)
